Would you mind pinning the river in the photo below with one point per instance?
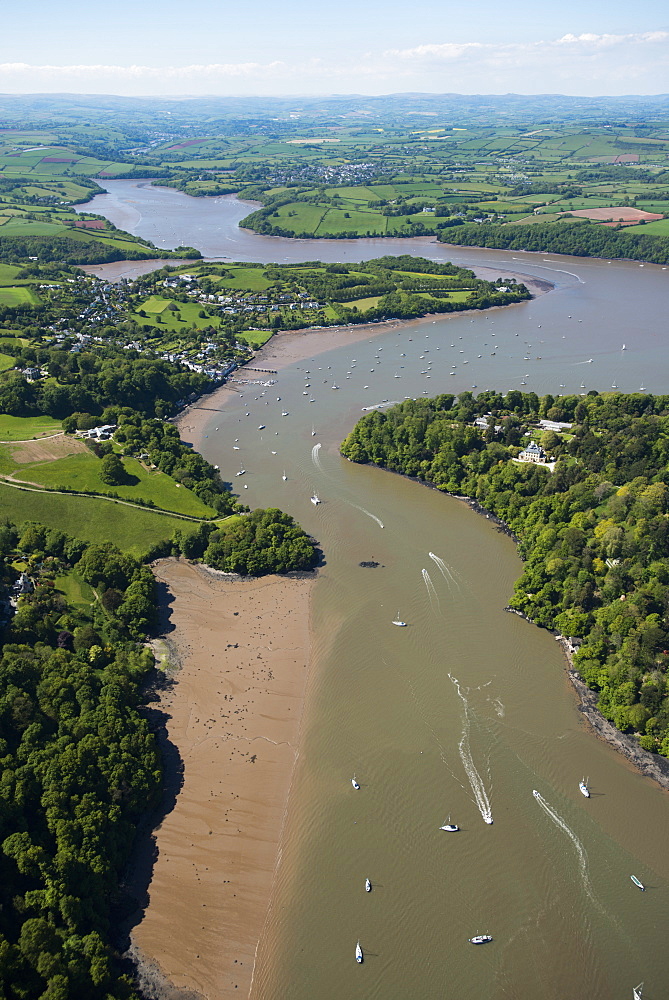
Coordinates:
(468, 709)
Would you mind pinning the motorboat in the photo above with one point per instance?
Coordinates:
(536, 793)
(355, 783)
(315, 499)
(358, 954)
(398, 621)
(583, 785)
(638, 883)
(480, 939)
(368, 885)
(450, 827)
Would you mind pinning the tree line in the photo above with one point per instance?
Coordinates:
(579, 239)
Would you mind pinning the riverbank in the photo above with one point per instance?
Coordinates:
(234, 715)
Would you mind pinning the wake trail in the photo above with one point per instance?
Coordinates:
(580, 849)
(363, 510)
(431, 592)
(444, 570)
(475, 779)
(315, 458)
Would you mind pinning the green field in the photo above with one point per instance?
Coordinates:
(81, 472)
(17, 296)
(27, 428)
(130, 528)
(76, 590)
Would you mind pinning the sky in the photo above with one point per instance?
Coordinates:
(267, 47)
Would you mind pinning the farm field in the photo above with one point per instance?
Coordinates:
(65, 463)
(95, 520)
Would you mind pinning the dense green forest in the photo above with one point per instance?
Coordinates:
(87, 382)
(593, 533)
(581, 239)
(79, 764)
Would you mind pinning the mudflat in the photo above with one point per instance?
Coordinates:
(234, 715)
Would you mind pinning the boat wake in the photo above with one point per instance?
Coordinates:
(580, 849)
(444, 570)
(315, 458)
(363, 509)
(475, 779)
(431, 592)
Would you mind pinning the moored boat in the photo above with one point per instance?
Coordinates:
(637, 991)
(480, 939)
(358, 953)
(368, 885)
(450, 827)
(354, 782)
(398, 621)
(638, 882)
(583, 785)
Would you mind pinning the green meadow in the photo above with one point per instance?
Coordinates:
(132, 529)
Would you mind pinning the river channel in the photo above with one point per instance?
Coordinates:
(468, 709)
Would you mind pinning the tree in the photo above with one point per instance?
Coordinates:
(112, 470)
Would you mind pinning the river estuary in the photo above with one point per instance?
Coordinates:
(468, 709)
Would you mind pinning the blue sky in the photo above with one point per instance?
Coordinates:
(143, 47)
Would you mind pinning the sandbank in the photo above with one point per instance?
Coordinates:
(234, 715)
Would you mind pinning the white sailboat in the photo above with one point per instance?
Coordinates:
(241, 472)
(284, 476)
(450, 827)
(480, 939)
(398, 621)
(583, 785)
(355, 783)
(358, 954)
(313, 431)
(368, 885)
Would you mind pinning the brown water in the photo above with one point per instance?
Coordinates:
(468, 709)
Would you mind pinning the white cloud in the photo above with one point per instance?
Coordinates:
(573, 64)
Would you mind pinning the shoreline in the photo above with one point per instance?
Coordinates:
(651, 765)
(240, 650)
(286, 347)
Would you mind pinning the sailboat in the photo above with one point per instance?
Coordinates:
(355, 783)
(398, 621)
(368, 885)
(284, 476)
(637, 991)
(313, 431)
(315, 499)
(583, 785)
(241, 472)
(358, 954)
(450, 827)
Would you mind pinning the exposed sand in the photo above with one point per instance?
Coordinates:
(234, 715)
